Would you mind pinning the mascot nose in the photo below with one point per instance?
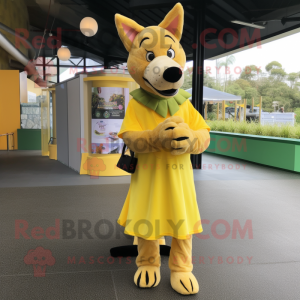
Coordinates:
(172, 74)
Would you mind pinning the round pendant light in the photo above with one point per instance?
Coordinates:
(88, 26)
(64, 53)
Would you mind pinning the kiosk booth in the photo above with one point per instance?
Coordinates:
(90, 109)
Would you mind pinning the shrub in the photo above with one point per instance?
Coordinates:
(212, 116)
(253, 128)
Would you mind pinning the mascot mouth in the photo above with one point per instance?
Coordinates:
(166, 93)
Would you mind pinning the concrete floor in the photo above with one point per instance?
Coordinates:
(232, 192)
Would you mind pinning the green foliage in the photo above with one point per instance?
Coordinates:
(278, 74)
(250, 72)
(235, 89)
(275, 70)
(272, 65)
(212, 116)
(293, 79)
(253, 128)
(188, 78)
(243, 83)
(297, 112)
(229, 60)
(275, 85)
(250, 93)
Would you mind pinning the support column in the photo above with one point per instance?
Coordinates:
(198, 66)
(260, 108)
(235, 106)
(44, 67)
(240, 113)
(106, 63)
(84, 65)
(58, 70)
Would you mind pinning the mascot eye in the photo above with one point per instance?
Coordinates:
(171, 53)
(150, 56)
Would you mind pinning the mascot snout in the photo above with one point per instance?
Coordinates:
(164, 76)
(172, 74)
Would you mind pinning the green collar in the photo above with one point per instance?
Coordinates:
(160, 104)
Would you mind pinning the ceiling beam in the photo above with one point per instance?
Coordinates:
(146, 4)
(234, 13)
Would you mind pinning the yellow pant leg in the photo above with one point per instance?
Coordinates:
(148, 262)
(180, 264)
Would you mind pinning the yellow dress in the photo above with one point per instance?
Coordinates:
(161, 200)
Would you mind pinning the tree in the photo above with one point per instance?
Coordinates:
(293, 79)
(278, 92)
(273, 65)
(243, 83)
(209, 81)
(218, 67)
(275, 70)
(229, 60)
(188, 79)
(235, 89)
(250, 72)
(250, 93)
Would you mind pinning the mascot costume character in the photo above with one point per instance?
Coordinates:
(163, 128)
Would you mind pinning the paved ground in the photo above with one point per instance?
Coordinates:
(30, 169)
(264, 264)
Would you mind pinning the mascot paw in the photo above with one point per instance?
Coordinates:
(183, 140)
(147, 276)
(184, 283)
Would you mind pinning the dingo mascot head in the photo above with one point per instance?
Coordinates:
(156, 58)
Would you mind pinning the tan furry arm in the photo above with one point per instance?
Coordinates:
(154, 140)
(186, 140)
(203, 140)
(141, 141)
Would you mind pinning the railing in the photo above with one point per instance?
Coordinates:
(7, 137)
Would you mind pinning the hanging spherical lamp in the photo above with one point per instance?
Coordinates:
(64, 53)
(88, 26)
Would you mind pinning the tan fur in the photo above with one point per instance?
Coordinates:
(152, 140)
(137, 64)
(149, 75)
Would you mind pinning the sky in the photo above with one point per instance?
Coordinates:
(285, 50)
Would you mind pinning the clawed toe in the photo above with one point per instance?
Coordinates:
(147, 276)
(184, 283)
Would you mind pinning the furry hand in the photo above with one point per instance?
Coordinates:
(155, 140)
(164, 131)
(186, 140)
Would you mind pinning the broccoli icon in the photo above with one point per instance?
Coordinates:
(40, 258)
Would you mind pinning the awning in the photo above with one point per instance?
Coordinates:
(215, 95)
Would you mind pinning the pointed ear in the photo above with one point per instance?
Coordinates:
(173, 21)
(127, 30)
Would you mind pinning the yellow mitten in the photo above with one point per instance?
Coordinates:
(183, 280)
(148, 262)
(155, 140)
(186, 140)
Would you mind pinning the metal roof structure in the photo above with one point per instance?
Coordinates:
(212, 29)
(213, 95)
(222, 36)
